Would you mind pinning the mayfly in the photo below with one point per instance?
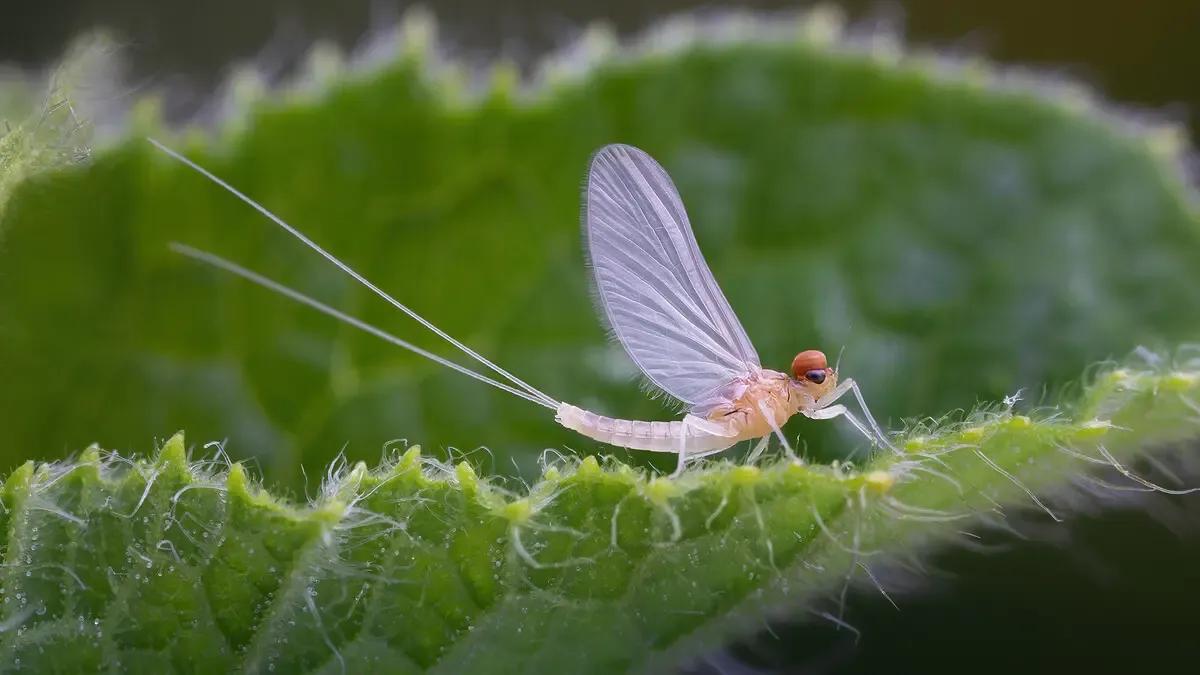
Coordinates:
(664, 307)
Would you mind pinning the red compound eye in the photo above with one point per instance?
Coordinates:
(810, 365)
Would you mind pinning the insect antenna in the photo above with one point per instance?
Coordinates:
(532, 391)
(272, 285)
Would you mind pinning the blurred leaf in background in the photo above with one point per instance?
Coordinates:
(45, 118)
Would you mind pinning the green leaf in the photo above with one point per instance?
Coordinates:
(961, 233)
(163, 565)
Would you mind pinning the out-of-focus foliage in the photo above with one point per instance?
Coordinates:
(39, 127)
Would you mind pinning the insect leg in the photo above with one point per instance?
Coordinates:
(770, 418)
(682, 462)
(758, 449)
(840, 410)
(875, 433)
(834, 394)
(862, 404)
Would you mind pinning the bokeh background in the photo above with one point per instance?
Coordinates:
(1120, 582)
(1140, 55)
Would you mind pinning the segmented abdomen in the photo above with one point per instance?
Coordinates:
(693, 438)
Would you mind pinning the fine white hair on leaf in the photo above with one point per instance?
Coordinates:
(762, 528)
(898, 509)
(39, 504)
(717, 511)
(437, 469)
(921, 468)
(316, 615)
(389, 451)
(839, 622)
(1105, 485)
(169, 546)
(1138, 479)
(673, 519)
(1152, 359)
(455, 455)
(220, 455)
(145, 493)
(543, 501)
(612, 543)
(1191, 404)
(57, 471)
(852, 550)
(553, 458)
(1079, 455)
(878, 585)
(1161, 467)
(18, 618)
(1000, 521)
(527, 556)
(987, 460)
(664, 506)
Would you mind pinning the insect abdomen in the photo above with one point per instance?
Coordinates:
(643, 435)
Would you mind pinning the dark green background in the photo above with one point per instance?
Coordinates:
(1122, 583)
(1144, 54)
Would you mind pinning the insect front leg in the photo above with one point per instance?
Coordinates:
(871, 429)
(839, 410)
(834, 394)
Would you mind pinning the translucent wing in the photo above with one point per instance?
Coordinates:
(653, 284)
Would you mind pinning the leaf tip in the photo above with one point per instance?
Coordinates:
(237, 483)
(744, 476)
(517, 511)
(1019, 422)
(879, 482)
(972, 434)
(916, 444)
(505, 80)
(1093, 429)
(661, 490)
(1179, 382)
(588, 467)
(91, 455)
(823, 25)
(173, 453)
(1119, 377)
(330, 512)
(468, 480)
(146, 116)
(418, 32)
(18, 480)
(410, 458)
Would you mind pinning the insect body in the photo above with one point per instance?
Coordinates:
(664, 307)
(755, 407)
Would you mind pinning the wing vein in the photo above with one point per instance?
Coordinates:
(653, 283)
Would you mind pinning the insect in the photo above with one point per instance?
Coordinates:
(664, 307)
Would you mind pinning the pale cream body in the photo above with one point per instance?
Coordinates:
(753, 407)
